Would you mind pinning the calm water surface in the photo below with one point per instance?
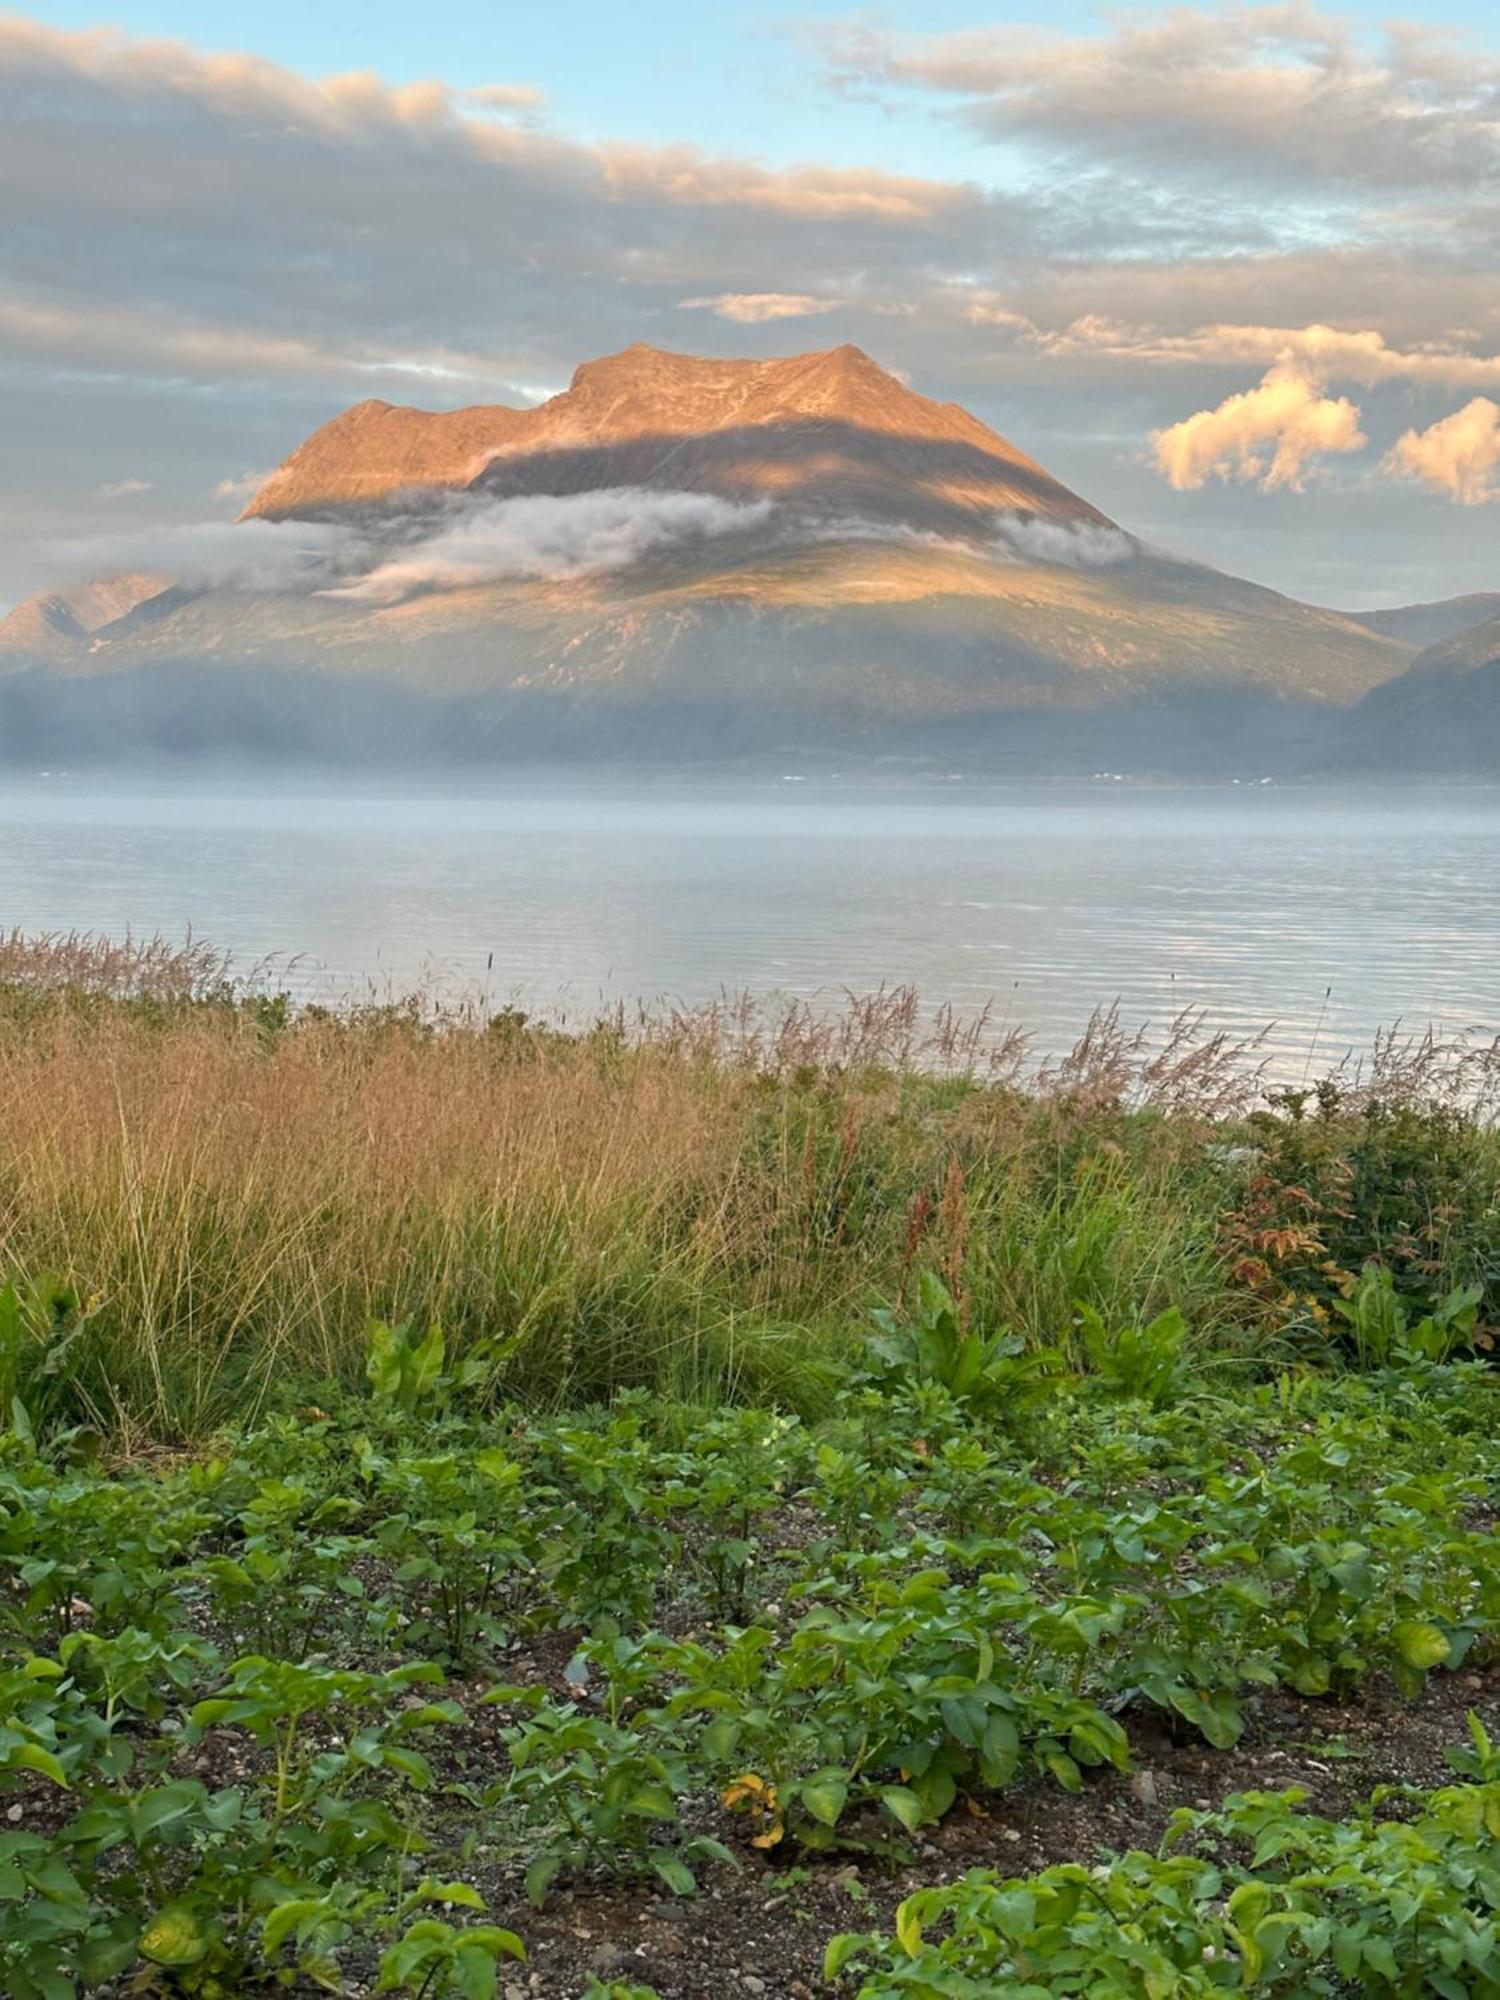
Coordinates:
(1047, 899)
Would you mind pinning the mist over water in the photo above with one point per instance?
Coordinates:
(1045, 899)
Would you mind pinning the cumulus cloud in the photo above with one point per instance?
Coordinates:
(751, 308)
(1459, 455)
(552, 536)
(1266, 436)
(122, 489)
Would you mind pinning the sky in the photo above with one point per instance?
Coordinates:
(1230, 272)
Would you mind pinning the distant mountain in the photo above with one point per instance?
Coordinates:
(1441, 716)
(1431, 624)
(57, 624)
(704, 558)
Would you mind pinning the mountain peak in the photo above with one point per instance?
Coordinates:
(830, 432)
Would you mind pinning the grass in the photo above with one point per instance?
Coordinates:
(708, 1204)
(713, 1452)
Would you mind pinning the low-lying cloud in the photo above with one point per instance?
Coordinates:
(546, 537)
(1268, 436)
(551, 537)
(1074, 544)
(1458, 455)
(219, 555)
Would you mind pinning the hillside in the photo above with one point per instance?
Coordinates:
(1431, 624)
(1442, 714)
(730, 557)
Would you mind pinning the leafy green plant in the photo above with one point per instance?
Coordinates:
(1384, 1332)
(433, 1957)
(596, 1792)
(1382, 1908)
(403, 1367)
(1147, 1361)
(41, 1321)
(934, 1346)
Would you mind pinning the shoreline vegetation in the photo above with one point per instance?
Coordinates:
(720, 1503)
(708, 1201)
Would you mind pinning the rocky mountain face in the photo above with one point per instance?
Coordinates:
(696, 557)
(832, 431)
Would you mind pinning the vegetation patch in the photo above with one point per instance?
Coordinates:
(1011, 1625)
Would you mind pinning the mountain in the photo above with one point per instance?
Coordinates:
(679, 556)
(1442, 715)
(56, 624)
(1431, 624)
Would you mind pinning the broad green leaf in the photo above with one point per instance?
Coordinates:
(903, 1805)
(1420, 1644)
(174, 1937)
(825, 1795)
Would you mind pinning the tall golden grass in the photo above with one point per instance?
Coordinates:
(693, 1200)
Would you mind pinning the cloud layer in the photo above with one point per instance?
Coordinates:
(550, 536)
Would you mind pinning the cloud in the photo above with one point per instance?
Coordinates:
(211, 255)
(236, 555)
(122, 489)
(1074, 544)
(1361, 355)
(550, 536)
(1459, 455)
(505, 97)
(1287, 95)
(244, 487)
(751, 308)
(1265, 436)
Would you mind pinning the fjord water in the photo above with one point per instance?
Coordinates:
(1047, 900)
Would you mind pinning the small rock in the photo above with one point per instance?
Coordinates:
(608, 1960)
(753, 1985)
(15, 1814)
(1143, 1788)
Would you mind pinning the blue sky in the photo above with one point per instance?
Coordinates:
(1229, 272)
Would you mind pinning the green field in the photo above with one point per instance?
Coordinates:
(709, 1506)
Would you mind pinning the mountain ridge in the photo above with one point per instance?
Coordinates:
(804, 548)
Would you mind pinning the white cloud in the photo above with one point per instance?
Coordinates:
(505, 97)
(1331, 353)
(1286, 94)
(750, 308)
(550, 536)
(1266, 436)
(1458, 455)
(236, 555)
(244, 487)
(1074, 544)
(122, 489)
